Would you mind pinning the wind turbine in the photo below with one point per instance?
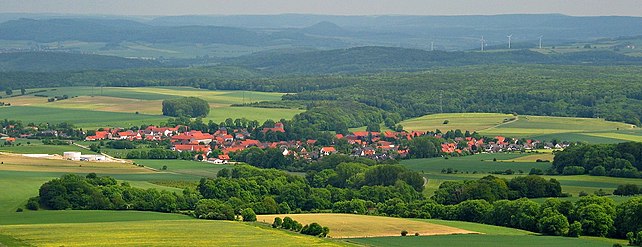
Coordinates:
(540, 41)
(482, 43)
(510, 37)
(432, 45)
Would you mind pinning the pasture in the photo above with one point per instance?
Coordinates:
(354, 226)
(94, 107)
(591, 130)
(461, 121)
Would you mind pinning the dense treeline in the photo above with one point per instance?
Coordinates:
(492, 189)
(612, 93)
(187, 106)
(245, 190)
(62, 61)
(579, 91)
(93, 192)
(272, 191)
(377, 59)
(616, 160)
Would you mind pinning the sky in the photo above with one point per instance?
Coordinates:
(334, 7)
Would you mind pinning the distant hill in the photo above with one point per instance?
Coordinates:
(374, 59)
(59, 61)
(114, 31)
(450, 33)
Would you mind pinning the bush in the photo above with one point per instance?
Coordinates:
(248, 215)
(635, 239)
(535, 171)
(19, 210)
(404, 233)
(575, 229)
(446, 121)
(573, 170)
(627, 190)
(598, 171)
(553, 223)
(277, 222)
(313, 229)
(213, 210)
(33, 203)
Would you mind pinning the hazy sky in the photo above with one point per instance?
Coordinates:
(339, 7)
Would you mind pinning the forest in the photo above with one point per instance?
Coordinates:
(548, 90)
(616, 160)
(192, 107)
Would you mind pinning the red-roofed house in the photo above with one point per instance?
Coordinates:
(221, 159)
(278, 127)
(192, 148)
(327, 151)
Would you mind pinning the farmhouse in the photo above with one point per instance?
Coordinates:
(325, 151)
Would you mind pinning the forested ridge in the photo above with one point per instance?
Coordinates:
(601, 89)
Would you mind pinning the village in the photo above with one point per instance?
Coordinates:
(219, 147)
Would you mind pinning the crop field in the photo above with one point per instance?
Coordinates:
(93, 107)
(462, 121)
(16, 162)
(489, 236)
(538, 127)
(352, 226)
(159, 233)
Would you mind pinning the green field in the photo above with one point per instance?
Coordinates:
(187, 167)
(485, 240)
(590, 130)
(540, 127)
(93, 107)
(36, 147)
(477, 166)
(461, 121)
(126, 228)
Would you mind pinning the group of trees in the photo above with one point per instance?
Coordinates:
(272, 191)
(616, 160)
(492, 189)
(93, 193)
(187, 106)
(313, 229)
(245, 191)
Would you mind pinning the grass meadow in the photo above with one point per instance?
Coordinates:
(589, 130)
(119, 228)
(93, 107)
(461, 121)
(477, 166)
(483, 240)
